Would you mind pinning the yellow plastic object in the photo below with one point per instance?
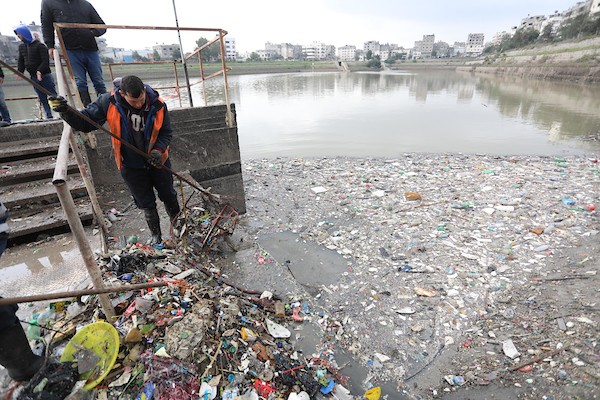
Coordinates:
(373, 394)
(103, 339)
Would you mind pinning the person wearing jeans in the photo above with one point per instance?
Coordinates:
(80, 43)
(3, 108)
(83, 61)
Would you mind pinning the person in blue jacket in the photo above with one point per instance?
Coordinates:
(33, 57)
(137, 115)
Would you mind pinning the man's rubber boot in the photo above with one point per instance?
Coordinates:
(172, 210)
(16, 355)
(85, 97)
(153, 221)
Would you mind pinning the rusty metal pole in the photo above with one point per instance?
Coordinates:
(229, 115)
(68, 205)
(77, 293)
(81, 164)
(202, 78)
(66, 57)
(185, 70)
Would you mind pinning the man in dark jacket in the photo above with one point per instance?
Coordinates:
(80, 44)
(15, 354)
(137, 115)
(33, 57)
(5, 120)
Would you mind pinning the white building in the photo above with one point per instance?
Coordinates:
(266, 55)
(554, 20)
(582, 7)
(427, 45)
(499, 37)
(595, 7)
(532, 22)
(371, 45)
(474, 45)
(319, 51)
(165, 51)
(115, 53)
(346, 53)
(230, 49)
(458, 49)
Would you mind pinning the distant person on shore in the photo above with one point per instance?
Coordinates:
(137, 115)
(33, 57)
(80, 43)
(3, 107)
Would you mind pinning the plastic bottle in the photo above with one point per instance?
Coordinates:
(44, 318)
(33, 331)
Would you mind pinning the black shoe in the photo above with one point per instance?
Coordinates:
(16, 355)
(153, 221)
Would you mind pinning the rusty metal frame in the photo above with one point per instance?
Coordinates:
(221, 33)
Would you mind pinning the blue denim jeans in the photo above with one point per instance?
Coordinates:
(47, 83)
(85, 61)
(3, 108)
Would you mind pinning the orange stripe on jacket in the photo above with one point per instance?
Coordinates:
(113, 117)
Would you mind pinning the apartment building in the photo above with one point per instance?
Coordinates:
(499, 37)
(319, 51)
(346, 53)
(427, 45)
(230, 49)
(165, 51)
(474, 45)
(533, 22)
(554, 20)
(582, 7)
(372, 45)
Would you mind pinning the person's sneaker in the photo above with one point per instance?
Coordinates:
(4, 123)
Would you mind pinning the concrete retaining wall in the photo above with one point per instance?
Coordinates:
(579, 74)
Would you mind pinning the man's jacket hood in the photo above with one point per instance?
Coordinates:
(25, 32)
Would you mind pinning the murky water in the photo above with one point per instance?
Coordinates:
(389, 113)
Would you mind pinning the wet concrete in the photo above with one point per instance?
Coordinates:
(43, 267)
(310, 264)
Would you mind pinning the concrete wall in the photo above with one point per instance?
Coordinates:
(202, 144)
(33, 130)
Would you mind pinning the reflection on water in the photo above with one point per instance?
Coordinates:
(48, 266)
(386, 114)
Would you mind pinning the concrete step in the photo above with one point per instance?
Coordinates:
(32, 148)
(31, 169)
(26, 222)
(38, 192)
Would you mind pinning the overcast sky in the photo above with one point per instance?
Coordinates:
(336, 22)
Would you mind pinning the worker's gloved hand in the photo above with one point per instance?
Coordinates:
(155, 158)
(58, 104)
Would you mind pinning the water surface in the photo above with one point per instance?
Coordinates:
(384, 114)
